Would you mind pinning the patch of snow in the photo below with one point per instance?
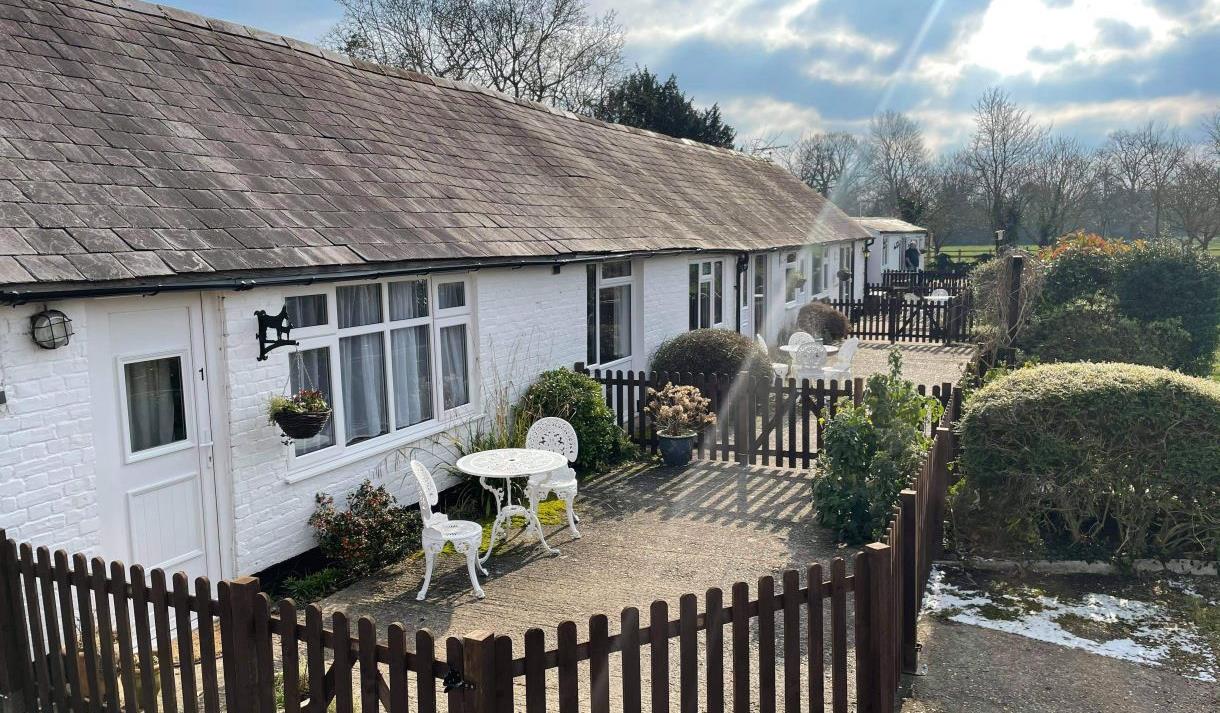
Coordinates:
(1154, 639)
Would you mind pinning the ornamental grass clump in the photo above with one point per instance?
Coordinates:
(1095, 461)
(869, 452)
(679, 410)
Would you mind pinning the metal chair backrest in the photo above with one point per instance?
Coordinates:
(762, 344)
(555, 435)
(940, 292)
(810, 355)
(911, 297)
(799, 338)
(848, 351)
(427, 491)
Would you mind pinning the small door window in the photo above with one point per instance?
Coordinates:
(156, 403)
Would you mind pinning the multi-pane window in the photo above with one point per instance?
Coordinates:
(760, 293)
(608, 311)
(818, 269)
(706, 294)
(387, 355)
(795, 280)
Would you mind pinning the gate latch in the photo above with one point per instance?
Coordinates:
(453, 681)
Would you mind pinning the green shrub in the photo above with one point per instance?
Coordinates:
(822, 320)
(313, 586)
(711, 351)
(373, 532)
(579, 400)
(1092, 329)
(868, 454)
(1111, 460)
(1162, 280)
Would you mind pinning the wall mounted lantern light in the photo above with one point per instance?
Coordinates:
(50, 329)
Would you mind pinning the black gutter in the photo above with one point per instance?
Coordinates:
(19, 297)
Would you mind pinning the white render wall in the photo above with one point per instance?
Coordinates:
(47, 480)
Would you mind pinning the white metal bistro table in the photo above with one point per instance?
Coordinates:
(938, 299)
(506, 464)
(791, 349)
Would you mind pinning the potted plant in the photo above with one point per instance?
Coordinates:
(302, 415)
(678, 412)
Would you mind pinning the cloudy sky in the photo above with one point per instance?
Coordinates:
(782, 67)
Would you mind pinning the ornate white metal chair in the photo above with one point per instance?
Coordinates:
(808, 360)
(911, 297)
(940, 292)
(799, 338)
(779, 368)
(466, 536)
(555, 435)
(840, 368)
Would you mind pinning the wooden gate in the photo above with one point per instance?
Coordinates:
(894, 318)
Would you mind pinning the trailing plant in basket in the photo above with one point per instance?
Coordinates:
(868, 453)
(679, 410)
(302, 415)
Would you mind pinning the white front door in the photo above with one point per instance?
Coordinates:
(153, 433)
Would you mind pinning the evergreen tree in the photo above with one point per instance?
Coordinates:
(643, 101)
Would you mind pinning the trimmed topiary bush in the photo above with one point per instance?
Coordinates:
(820, 319)
(1095, 460)
(711, 351)
(579, 400)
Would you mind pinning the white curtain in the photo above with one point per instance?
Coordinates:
(411, 360)
(455, 382)
(615, 313)
(408, 299)
(310, 369)
(156, 412)
(362, 364)
(358, 305)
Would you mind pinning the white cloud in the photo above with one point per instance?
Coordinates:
(1034, 38)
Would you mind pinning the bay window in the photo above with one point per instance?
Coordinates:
(706, 294)
(377, 351)
(608, 311)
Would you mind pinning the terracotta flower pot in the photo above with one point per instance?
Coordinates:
(676, 450)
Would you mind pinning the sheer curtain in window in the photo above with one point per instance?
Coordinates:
(615, 314)
(410, 357)
(156, 408)
(362, 364)
(310, 369)
(454, 376)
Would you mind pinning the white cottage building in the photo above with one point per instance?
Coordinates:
(888, 246)
(164, 176)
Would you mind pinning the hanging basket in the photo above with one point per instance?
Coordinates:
(300, 426)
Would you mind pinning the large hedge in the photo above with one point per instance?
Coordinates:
(711, 351)
(579, 400)
(1160, 287)
(1104, 460)
(1093, 329)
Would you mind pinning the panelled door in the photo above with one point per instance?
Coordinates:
(153, 433)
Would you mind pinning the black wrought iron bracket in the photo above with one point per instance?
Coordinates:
(281, 325)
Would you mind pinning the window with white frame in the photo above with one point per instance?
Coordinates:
(706, 294)
(795, 280)
(817, 269)
(608, 311)
(391, 357)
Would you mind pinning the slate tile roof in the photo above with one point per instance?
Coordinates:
(889, 225)
(141, 142)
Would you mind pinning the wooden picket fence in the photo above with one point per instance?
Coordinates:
(83, 635)
(894, 319)
(759, 421)
(923, 281)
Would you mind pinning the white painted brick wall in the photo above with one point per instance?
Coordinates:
(47, 481)
(666, 301)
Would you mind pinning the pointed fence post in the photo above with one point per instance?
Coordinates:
(909, 584)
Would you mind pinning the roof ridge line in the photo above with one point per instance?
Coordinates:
(241, 30)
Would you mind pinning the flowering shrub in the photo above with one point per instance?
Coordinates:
(1080, 241)
(870, 451)
(679, 410)
(373, 532)
(303, 401)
